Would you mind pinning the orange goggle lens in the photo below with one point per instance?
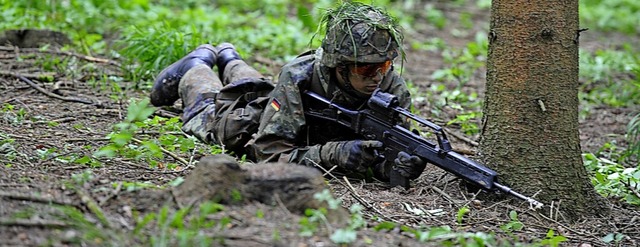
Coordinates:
(371, 69)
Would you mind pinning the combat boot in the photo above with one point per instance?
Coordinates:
(165, 88)
(226, 53)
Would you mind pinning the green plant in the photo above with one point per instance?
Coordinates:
(633, 137)
(13, 116)
(148, 50)
(181, 227)
(461, 213)
(314, 218)
(463, 63)
(612, 179)
(468, 122)
(7, 147)
(83, 177)
(514, 223)
(133, 186)
(125, 131)
(87, 160)
(552, 239)
(484, 4)
(607, 65)
(435, 16)
(447, 237)
(613, 238)
(89, 233)
(610, 15)
(130, 139)
(609, 78)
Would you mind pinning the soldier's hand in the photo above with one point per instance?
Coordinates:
(354, 156)
(409, 166)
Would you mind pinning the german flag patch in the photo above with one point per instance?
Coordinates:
(275, 104)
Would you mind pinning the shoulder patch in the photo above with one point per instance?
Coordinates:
(275, 104)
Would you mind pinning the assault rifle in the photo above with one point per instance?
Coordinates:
(382, 122)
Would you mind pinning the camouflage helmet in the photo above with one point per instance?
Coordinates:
(359, 33)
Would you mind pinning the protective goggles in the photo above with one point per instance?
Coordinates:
(371, 69)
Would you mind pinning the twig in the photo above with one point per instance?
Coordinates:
(92, 205)
(14, 185)
(164, 113)
(86, 139)
(52, 95)
(65, 53)
(631, 188)
(445, 195)
(33, 222)
(565, 227)
(28, 75)
(59, 120)
(176, 157)
(136, 165)
(253, 238)
(34, 198)
(461, 137)
(112, 195)
(282, 206)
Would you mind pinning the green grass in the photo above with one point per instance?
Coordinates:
(610, 15)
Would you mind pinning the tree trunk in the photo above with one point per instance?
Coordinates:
(530, 124)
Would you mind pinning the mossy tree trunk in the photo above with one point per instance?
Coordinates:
(530, 125)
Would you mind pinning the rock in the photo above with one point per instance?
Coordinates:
(289, 184)
(220, 178)
(216, 178)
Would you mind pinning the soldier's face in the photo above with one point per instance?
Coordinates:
(365, 78)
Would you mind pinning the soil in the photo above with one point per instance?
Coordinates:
(40, 205)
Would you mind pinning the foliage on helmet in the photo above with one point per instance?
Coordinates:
(359, 33)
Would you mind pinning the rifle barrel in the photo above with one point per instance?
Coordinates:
(505, 189)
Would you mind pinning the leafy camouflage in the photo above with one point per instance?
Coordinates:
(359, 33)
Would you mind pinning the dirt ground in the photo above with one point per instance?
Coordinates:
(38, 206)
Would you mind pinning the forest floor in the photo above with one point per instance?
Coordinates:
(38, 206)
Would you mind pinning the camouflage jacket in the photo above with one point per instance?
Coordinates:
(285, 134)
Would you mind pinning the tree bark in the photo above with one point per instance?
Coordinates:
(530, 129)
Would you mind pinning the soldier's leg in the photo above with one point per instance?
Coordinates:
(231, 66)
(191, 79)
(198, 90)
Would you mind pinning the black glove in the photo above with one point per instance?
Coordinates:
(409, 166)
(354, 156)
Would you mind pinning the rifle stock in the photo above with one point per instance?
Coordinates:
(382, 122)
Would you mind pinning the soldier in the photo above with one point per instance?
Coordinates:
(242, 111)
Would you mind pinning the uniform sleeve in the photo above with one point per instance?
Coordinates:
(280, 124)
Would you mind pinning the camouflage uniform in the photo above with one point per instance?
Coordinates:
(286, 135)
